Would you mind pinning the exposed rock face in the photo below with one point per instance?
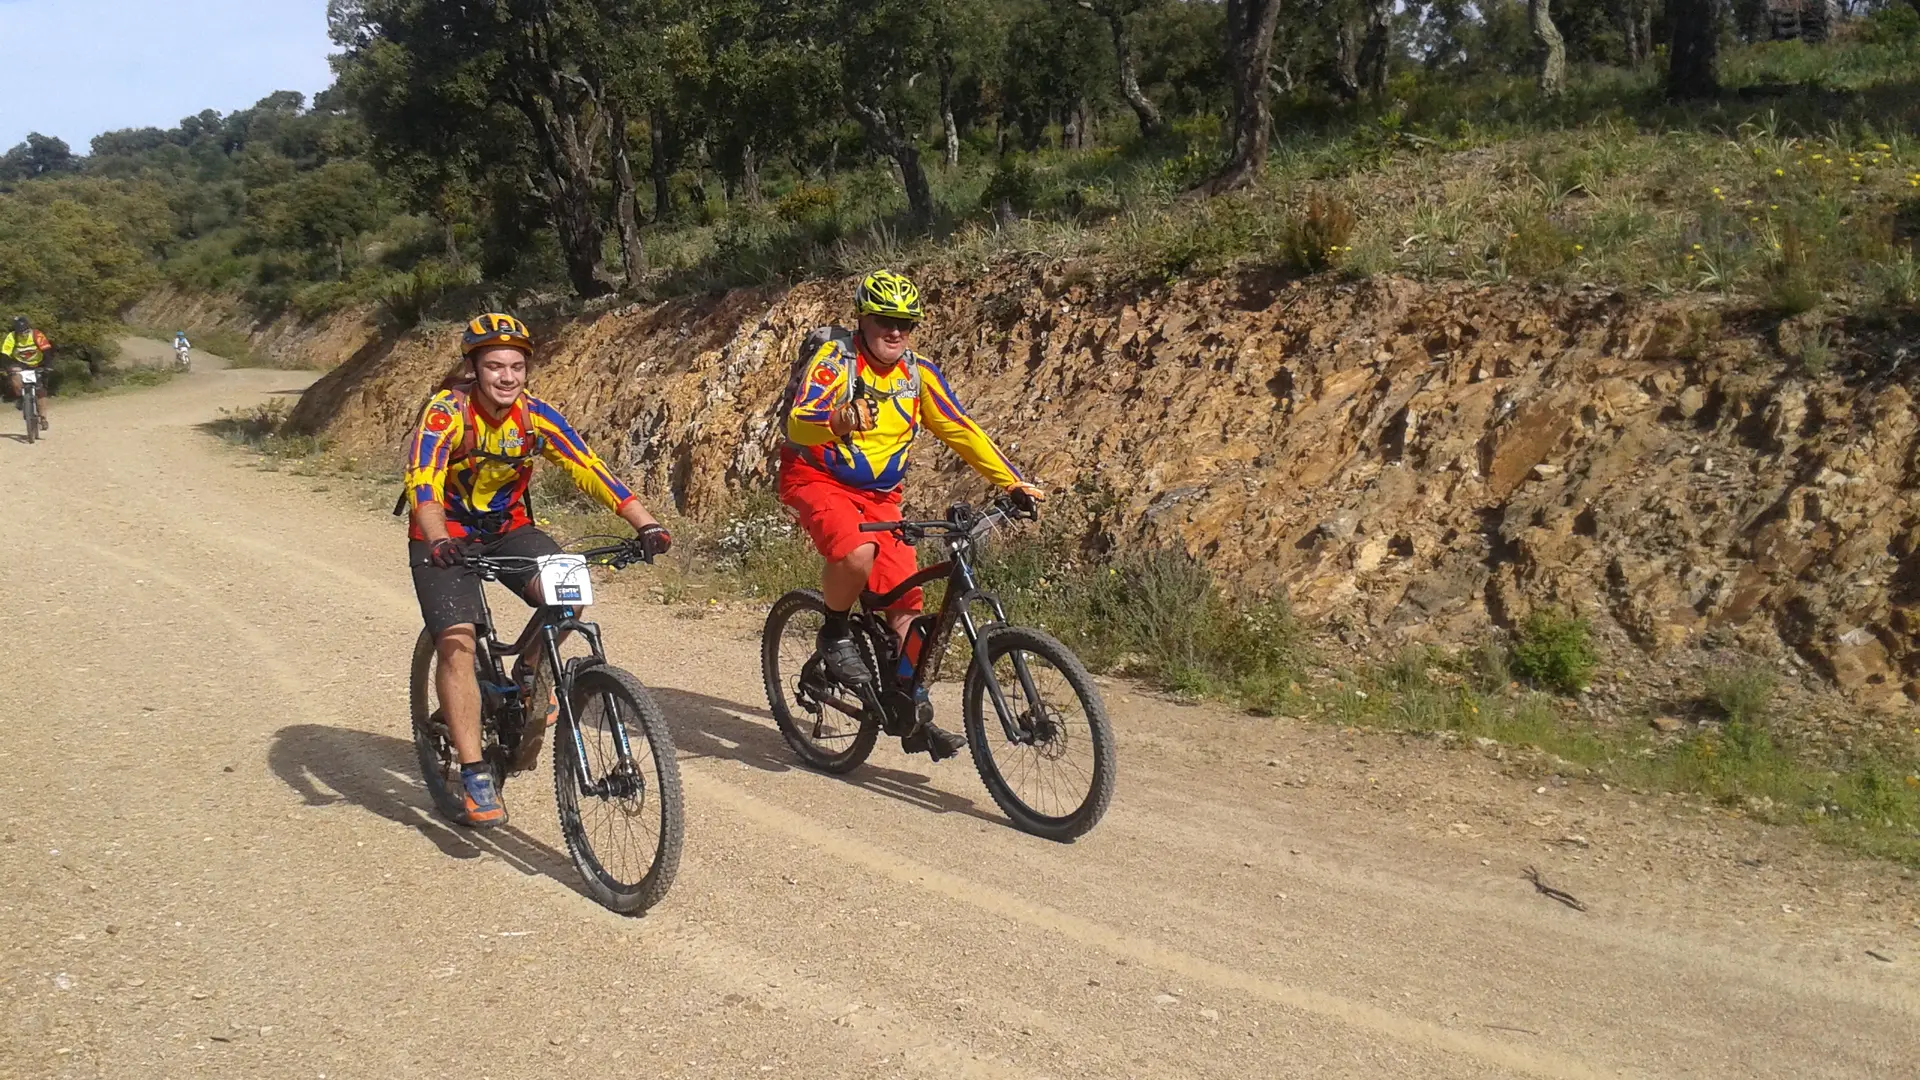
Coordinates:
(1420, 459)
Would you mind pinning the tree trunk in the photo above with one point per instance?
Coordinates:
(1553, 66)
(567, 146)
(1346, 63)
(1693, 48)
(661, 166)
(633, 253)
(1636, 53)
(896, 144)
(340, 258)
(1249, 49)
(749, 175)
(1374, 47)
(453, 244)
(1143, 107)
(950, 129)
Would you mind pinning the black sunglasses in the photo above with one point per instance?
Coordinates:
(889, 322)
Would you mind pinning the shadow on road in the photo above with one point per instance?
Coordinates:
(15, 436)
(709, 727)
(328, 765)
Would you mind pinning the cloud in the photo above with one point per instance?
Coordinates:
(101, 65)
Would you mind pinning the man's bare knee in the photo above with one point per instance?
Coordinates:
(860, 558)
(455, 641)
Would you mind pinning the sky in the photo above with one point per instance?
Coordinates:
(77, 68)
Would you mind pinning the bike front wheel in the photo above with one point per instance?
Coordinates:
(1055, 779)
(30, 408)
(803, 697)
(623, 818)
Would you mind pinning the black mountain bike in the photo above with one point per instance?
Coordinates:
(1048, 762)
(30, 391)
(615, 776)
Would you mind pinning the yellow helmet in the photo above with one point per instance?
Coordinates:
(495, 329)
(887, 293)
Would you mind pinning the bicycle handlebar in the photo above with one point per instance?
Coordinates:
(619, 556)
(961, 520)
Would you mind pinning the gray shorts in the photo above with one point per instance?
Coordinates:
(451, 595)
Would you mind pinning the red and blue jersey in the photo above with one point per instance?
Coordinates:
(477, 467)
(907, 396)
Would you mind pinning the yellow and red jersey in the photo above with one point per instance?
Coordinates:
(26, 349)
(477, 466)
(908, 395)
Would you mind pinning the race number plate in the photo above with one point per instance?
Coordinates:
(28, 376)
(564, 580)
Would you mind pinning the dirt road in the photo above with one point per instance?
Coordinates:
(216, 860)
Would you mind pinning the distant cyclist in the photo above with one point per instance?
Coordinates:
(25, 347)
(848, 432)
(468, 466)
(181, 346)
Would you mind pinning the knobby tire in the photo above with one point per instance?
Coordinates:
(795, 723)
(646, 731)
(983, 724)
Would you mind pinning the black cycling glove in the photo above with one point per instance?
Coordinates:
(654, 540)
(449, 552)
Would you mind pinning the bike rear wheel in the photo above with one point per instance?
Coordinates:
(1058, 780)
(623, 821)
(439, 765)
(797, 689)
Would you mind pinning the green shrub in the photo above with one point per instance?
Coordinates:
(1555, 650)
(1015, 183)
(407, 297)
(1742, 694)
(1816, 353)
(807, 204)
(1318, 237)
(1895, 24)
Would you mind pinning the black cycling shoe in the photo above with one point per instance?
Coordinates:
(937, 742)
(843, 659)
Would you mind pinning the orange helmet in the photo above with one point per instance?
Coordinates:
(494, 329)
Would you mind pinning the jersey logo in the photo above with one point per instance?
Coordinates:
(510, 442)
(439, 417)
(824, 374)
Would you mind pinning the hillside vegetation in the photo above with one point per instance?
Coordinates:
(544, 148)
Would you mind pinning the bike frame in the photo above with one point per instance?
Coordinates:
(544, 630)
(30, 391)
(956, 608)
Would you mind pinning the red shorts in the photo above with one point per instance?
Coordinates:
(831, 513)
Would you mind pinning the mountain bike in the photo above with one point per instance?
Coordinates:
(181, 358)
(1048, 761)
(30, 401)
(615, 777)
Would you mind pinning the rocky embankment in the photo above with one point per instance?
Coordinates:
(1410, 461)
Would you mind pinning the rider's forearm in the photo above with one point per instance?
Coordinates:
(431, 519)
(636, 515)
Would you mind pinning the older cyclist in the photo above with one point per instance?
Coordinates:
(848, 433)
(468, 466)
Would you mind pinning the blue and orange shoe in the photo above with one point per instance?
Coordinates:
(484, 808)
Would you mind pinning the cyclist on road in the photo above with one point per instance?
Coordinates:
(851, 424)
(180, 342)
(468, 465)
(25, 347)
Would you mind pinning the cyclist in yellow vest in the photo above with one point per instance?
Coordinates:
(25, 348)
